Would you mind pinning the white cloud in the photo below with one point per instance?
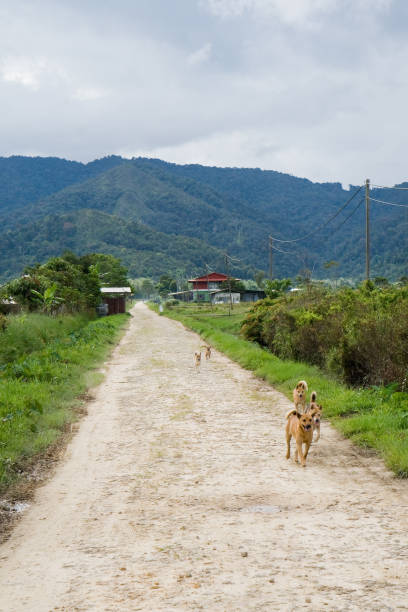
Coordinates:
(201, 55)
(293, 12)
(89, 94)
(22, 70)
(227, 8)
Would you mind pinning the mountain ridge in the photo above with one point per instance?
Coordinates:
(227, 209)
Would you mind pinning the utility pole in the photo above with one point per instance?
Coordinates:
(367, 202)
(208, 286)
(229, 283)
(270, 258)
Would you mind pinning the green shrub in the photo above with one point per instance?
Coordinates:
(360, 336)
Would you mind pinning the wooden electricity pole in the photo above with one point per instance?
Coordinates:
(270, 258)
(227, 261)
(367, 202)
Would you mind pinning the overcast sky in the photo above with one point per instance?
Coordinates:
(315, 88)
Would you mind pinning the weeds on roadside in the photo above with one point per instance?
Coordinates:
(43, 366)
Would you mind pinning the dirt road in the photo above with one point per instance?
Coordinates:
(175, 494)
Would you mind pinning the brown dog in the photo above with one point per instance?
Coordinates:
(197, 360)
(299, 395)
(316, 412)
(300, 427)
(207, 350)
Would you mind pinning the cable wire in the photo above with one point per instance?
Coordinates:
(285, 252)
(385, 187)
(389, 203)
(324, 224)
(347, 218)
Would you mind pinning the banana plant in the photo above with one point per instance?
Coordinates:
(48, 300)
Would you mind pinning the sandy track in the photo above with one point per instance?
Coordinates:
(176, 495)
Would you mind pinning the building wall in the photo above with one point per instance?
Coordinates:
(224, 298)
(116, 305)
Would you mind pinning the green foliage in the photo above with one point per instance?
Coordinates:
(259, 278)
(166, 285)
(69, 282)
(48, 300)
(276, 287)
(109, 270)
(43, 361)
(357, 335)
(236, 285)
(27, 179)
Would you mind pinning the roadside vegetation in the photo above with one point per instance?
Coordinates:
(49, 352)
(373, 415)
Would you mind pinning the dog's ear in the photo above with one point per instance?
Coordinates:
(298, 414)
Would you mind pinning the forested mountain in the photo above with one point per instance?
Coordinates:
(162, 217)
(144, 251)
(26, 179)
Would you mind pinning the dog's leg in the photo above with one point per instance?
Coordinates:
(288, 437)
(318, 433)
(300, 452)
(307, 445)
(297, 453)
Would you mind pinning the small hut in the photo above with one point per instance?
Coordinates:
(115, 299)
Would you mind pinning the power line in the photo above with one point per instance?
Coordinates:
(275, 248)
(324, 224)
(389, 203)
(385, 187)
(348, 217)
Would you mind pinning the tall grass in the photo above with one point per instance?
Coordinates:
(374, 418)
(31, 332)
(45, 364)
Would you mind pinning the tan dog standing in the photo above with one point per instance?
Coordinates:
(316, 412)
(207, 350)
(299, 395)
(300, 427)
(197, 360)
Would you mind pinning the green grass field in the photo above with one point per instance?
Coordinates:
(374, 418)
(45, 364)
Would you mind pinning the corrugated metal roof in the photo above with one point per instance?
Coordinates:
(116, 290)
(212, 276)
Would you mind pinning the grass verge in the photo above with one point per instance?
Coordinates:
(375, 418)
(51, 366)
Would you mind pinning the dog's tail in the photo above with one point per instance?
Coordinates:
(291, 412)
(313, 397)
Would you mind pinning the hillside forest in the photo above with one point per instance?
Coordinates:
(161, 218)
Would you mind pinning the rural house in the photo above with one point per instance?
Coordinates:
(204, 288)
(115, 299)
(212, 287)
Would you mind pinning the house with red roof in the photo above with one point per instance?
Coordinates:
(213, 287)
(205, 288)
(213, 280)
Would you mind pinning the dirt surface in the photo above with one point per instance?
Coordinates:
(175, 494)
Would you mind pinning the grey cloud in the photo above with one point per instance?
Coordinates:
(294, 86)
